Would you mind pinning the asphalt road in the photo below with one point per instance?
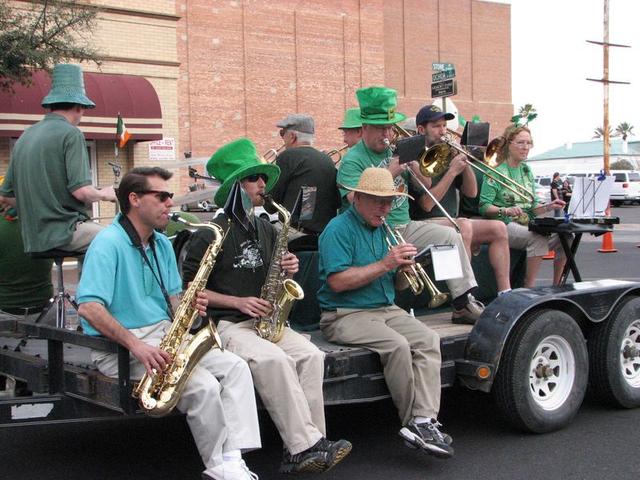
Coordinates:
(601, 443)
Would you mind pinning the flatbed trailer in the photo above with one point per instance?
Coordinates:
(536, 350)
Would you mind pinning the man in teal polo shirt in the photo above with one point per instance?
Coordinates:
(48, 179)
(358, 276)
(378, 115)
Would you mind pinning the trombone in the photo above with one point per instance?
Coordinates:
(417, 278)
(435, 160)
(424, 187)
(271, 154)
(336, 151)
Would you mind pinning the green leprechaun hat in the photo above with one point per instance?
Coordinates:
(378, 106)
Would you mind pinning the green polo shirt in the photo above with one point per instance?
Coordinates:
(48, 162)
(348, 241)
(492, 193)
(24, 282)
(359, 158)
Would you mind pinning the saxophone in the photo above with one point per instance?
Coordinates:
(279, 291)
(159, 393)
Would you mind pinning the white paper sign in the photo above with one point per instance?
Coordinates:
(162, 150)
(446, 262)
(590, 197)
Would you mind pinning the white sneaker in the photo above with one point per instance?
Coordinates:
(232, 470)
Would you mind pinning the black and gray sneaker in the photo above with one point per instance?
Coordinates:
(427, 437)
(317, 459)
(336, 450)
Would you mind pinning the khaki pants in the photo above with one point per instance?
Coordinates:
(84, 233)
(536, 245)
(218, 399)
(408, 349)
(288, 376)
(421, 234)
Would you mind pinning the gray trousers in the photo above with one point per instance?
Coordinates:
(421, 234)
(218, 399)
(288, 376)
(408, 349)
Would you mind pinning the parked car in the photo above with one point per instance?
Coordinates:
(626, 187)
(543, 189)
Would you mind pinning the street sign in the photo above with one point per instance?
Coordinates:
(446, 88)
(444, 75)
(441, 67)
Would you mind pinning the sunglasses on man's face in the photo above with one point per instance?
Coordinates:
(256, 176)
(160, 194)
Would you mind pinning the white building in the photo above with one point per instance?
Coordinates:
(584, 157)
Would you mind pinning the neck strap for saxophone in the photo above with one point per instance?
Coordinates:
(133, 235)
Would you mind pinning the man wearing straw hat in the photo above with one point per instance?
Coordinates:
(49, 178)
(358, 276)
(378, 115)
(288, 374)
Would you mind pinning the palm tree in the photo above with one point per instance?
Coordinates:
(599, 133)
(624, 130)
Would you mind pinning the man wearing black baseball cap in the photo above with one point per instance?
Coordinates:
(431, 122)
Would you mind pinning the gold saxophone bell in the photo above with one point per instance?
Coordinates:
(417, 278)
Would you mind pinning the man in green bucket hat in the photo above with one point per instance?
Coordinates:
(48, 179)
(378, 115)
(288, 374)
(351, 127)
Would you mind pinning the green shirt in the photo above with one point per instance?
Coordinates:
(492, 193)
(348, 241)
(359, 158)
(49, 162)
(24, 282)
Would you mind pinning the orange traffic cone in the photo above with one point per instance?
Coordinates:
(607, 244)
(551, 254)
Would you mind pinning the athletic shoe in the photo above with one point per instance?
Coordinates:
(427, 437)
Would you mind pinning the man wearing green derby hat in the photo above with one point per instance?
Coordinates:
(378, 115)
(288, 374)
(351, 127)
(48, 179)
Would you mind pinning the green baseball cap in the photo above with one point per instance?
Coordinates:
(67, 86)
(235, 161)
(351, 119)
(378, 106)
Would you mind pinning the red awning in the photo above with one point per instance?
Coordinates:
(132, 96)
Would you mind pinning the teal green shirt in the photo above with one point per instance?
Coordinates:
(492, 193)
(115, 275)
(359, 158)
(348, 241)
(24, 282)
(48, 162)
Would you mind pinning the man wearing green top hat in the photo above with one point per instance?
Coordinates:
(288, 374)
(351, 127)
(48, 179)
(378, 115)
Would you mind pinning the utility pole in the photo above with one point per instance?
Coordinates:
(607, 238)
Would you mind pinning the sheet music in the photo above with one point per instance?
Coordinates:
(590, 197)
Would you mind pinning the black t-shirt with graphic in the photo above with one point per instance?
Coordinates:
(241, 265)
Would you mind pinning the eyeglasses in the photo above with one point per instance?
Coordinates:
(256, 176)
(160, 194)
(522, 144)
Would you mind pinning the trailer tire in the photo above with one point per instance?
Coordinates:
(543, 372)
(614, 356)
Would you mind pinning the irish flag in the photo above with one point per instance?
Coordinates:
(122, 134)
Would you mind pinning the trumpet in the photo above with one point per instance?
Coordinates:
(271, 154)
(417, 278)
(336, 152)
(423, 186)
(436, 159)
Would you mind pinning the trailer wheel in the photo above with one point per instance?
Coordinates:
(614, 356)
(542, 378)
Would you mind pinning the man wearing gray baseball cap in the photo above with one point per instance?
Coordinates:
(307, 173)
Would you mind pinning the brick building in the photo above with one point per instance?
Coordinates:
(224, 69)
